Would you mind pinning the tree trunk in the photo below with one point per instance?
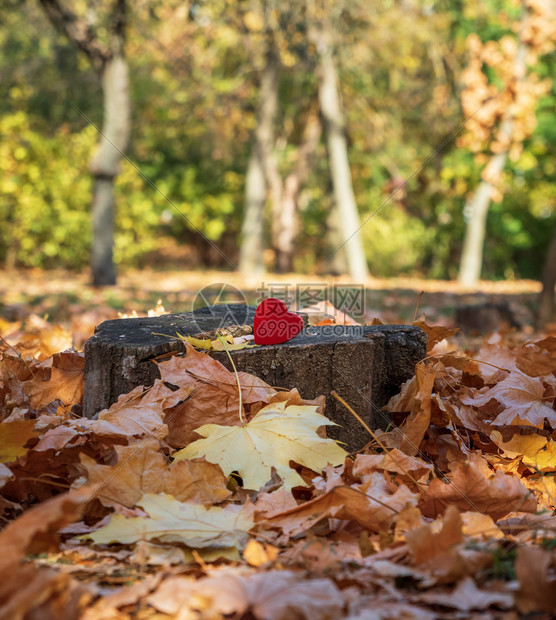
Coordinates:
(111, 64)
(477, 209)
(547, 303)
(340, 173)
(471, 261)
(256, 182)
(284, 220)
(337, 264)
(287, 225)
(105, 166)
(252, 230)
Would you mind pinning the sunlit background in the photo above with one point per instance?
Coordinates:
(228, 128)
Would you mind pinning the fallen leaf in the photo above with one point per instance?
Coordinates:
(534, 569)
(437, 549)
(409, 435)
(31, 592)
(469, 490)
(544, 460)
(477, 525)
(13, 436)
(277, 435)
(495, 358)
(198, 367)
(56, 439)
(213, 396)
(58, 378)
(270, 504)
(374, 506)
(435, 333)
(5, 474)
(37, 529)
(409, 518)
(519, 445)
(141, 469)
(128, 417)
(522, 398)
(258, 554)
(108, 605)
(394, 461)
(537, 358)
(273, 595)
(171, 521)
(467, 597)
(234, 346)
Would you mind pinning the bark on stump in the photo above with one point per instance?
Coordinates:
(365, 365)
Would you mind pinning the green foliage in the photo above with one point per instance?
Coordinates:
(396, 243)
(44, 220)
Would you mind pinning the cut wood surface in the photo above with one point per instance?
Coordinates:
(365, 365)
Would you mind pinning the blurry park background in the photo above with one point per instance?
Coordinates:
(238, 119)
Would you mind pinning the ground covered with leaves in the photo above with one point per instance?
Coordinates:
(214, 495)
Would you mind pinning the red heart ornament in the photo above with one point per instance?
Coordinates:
(273, 323)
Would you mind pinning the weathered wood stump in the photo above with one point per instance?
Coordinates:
(364, 364)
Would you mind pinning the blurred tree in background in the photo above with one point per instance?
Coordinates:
(500, 98)
(196, 79)
(100, 35)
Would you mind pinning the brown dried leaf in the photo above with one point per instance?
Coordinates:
(428, 544)
(213, 397)
(409, 435)
(128, 417)
(273, 595)
(522, 397)
(477, 525)
(439, 552)
(37, 529)
(496, 357)
(393, 461)
(470, 490)
(30, 592)
(538, 358)
(271, 504)
(141, 469)
(373, 505)
(435, 333)
(534, 568)
(199, 368)
(58, 378)
(467, 597)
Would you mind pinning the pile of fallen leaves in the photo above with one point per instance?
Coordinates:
(213, 495)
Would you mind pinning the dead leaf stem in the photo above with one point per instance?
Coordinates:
(372, 434)
(223, 343)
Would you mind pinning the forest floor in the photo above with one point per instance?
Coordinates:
(67, 296)
(447, 514)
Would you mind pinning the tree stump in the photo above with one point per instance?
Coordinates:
(365, 365)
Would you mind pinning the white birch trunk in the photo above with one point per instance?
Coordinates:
(251, 259)
(329, 98)
(105, 166)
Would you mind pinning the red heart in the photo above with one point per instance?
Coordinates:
(273, 323)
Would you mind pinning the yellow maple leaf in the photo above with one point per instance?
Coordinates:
(277, 435)
(169, 520)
